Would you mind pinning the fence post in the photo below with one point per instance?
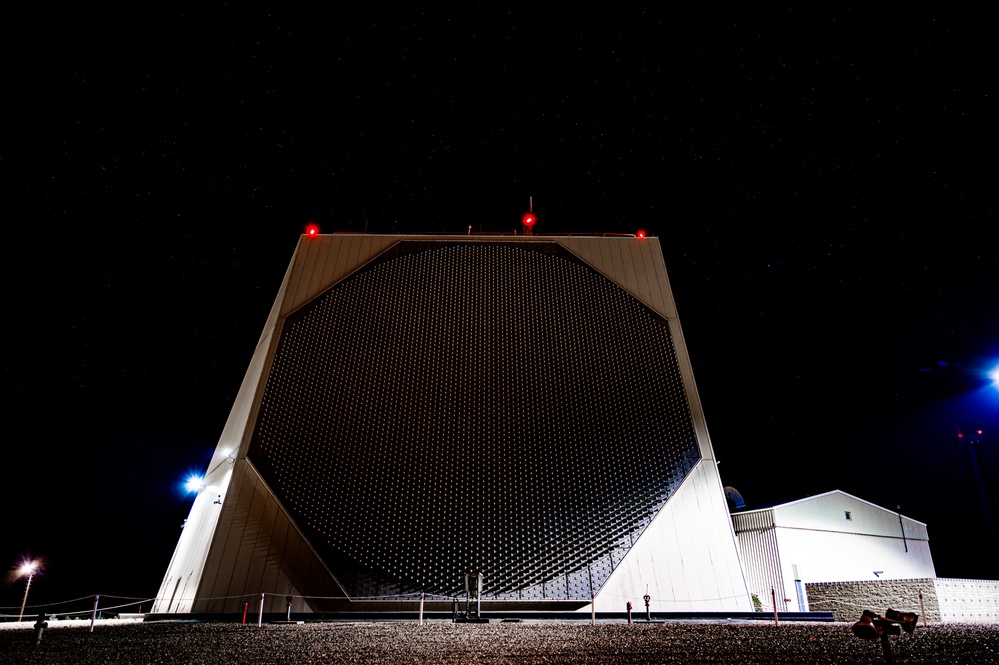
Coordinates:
(93, 616)
(260, 616)
(773, 599)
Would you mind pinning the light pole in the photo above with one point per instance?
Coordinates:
(28, 569)
(972, 441)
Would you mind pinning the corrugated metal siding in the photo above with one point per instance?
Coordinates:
(686, 558)
(828, 513)
(321, 262)
(256, 549)
(753, 521)
(760, 555)
(617, 258)
(188, 561)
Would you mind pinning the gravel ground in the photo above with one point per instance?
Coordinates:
(526, 642)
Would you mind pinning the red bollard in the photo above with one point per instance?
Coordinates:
(246, 606)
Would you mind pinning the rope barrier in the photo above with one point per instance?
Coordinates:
(819, 605)
(88, 611)
(672, 600)
(60, 602)
(115, 607)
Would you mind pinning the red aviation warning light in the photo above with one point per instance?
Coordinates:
(975, 437)
(312, 230)
(529, 218)
(641, 233)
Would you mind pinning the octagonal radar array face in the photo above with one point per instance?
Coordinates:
(460, 407)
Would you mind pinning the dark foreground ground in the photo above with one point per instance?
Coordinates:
(528, 642)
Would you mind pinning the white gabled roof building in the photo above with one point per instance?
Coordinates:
(831, 537)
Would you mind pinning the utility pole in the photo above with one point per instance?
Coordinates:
(971, 441)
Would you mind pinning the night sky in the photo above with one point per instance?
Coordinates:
(822, 184)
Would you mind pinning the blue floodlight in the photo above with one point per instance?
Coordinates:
(194, 484)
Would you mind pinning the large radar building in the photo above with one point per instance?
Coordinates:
(423, 407)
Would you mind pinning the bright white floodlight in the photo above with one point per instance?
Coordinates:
(994, 376)
(27, 568)
(195, 484)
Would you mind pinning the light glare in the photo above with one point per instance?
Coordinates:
(194, 484)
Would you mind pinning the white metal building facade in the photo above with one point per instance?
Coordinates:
(831, 537)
